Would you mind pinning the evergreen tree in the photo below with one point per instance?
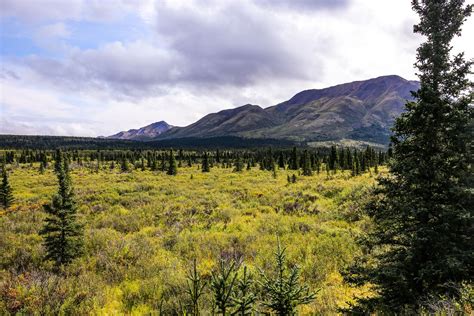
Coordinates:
(124, 166)
(282, 291)
(333, 158)
(421, 244)
(244, 297)
(390, 150)
(238, 165)
(41, 168)
(294, 160)
(222, 285)
(163, 162)
(218, 156)
(58, 161)
(205, 163)
(281, 161)
(195, 289)
(318, 165)
(6, 195)
(63, 235)
(307, 170)
(172, 169)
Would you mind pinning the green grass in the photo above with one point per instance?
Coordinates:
(143, 229)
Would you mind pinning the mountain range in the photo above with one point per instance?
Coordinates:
(360, 111)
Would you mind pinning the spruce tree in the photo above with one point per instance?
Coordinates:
(6, 195)
(195, 289)
(41, 168)
(172, 168)
(63, 235)
(58, 161)
(333, 158)
(205, 163)
(163, 162)
(238, 165)
(421, 244)
(281, 161)
(124, 166)
(244, 297)
(282, 291)
(307, 169)
(294, 160)
(222, 285)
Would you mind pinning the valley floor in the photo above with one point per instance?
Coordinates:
(143, 229)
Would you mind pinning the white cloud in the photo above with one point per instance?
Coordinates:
(202, 56)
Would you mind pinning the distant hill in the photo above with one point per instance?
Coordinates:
(360, 111)
(144, 133)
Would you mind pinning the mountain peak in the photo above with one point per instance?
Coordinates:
(144, 133)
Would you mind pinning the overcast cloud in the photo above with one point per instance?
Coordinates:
(90, 67)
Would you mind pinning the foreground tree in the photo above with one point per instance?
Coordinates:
(6, 195)
(63, 235)
(223, 280)
(195, 289)
(244, 298)
(283, 291)
(422, 241)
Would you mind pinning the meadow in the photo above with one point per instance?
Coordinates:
(143, 230)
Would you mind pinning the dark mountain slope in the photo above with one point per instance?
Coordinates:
(224, 123)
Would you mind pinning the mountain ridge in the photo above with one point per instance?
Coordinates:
(361, 110)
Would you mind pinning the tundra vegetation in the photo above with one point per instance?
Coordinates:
(117, 232)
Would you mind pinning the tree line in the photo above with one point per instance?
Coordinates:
(307, 160)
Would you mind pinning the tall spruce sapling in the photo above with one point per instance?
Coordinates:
(281, 161)
(195, 289)
(294, 160)
(282, 291)
(421, 242)
(62, 234)
(6, 194)
(307, 169)
(205, 163)
(58, 161)
(222, 285)
(244, 297)
(172, 168)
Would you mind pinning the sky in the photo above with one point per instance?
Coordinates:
(96, 67)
